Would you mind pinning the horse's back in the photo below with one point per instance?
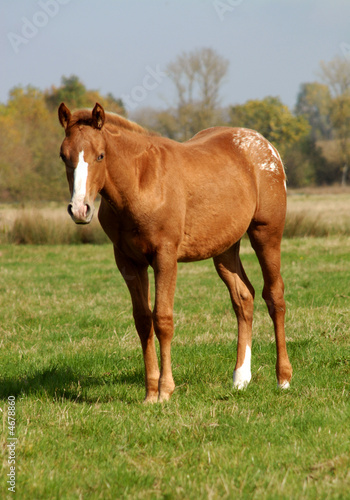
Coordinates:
(252, 161)
(233, 176)
(247, 147)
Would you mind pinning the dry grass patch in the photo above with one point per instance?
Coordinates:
(320, 214)
(311, 212)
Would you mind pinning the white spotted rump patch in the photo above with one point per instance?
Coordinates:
(242, 376)
(264, 154)
(246, 138)
(272, 162)
(270, 166)
(274, 151)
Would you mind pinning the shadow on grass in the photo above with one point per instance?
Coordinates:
(61, 382)
(90, 381)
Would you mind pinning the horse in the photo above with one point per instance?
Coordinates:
(164, 202)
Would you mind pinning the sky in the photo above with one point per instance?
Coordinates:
(123, 46)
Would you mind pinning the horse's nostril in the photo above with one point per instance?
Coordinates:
(81, 214)
(88, 210)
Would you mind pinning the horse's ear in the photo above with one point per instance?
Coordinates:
(64, 115)
(98, 116)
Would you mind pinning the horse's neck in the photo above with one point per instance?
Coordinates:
(130, 142)
(123, 150)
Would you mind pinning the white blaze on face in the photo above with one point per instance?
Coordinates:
(80, 178)
(242, 376)
(78, 206)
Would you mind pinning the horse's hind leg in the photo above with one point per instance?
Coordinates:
(230, 270)
(266, 241)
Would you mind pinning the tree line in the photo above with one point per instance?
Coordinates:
(312, 138)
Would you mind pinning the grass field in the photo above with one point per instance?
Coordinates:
(71, 359)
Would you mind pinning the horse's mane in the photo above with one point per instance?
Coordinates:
(83, 117)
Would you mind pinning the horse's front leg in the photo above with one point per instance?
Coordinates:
(165, 271)
(136, 278)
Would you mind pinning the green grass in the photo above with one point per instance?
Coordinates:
(71, 356)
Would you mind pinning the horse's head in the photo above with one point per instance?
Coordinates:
(83, 152)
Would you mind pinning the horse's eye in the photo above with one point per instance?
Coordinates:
(63, 158)
(100, 157)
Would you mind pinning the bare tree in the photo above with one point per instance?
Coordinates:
(197, 76)
(336, 74)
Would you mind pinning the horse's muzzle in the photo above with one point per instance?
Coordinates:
(81, 214)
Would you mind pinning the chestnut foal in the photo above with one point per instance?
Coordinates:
(165, 202)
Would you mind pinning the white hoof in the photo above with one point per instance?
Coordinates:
(241, 380)
(243, 375)
(284, 385)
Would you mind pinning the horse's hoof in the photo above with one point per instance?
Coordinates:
(162, 398)
(283, 385)
(151, 399)
(241, 379)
